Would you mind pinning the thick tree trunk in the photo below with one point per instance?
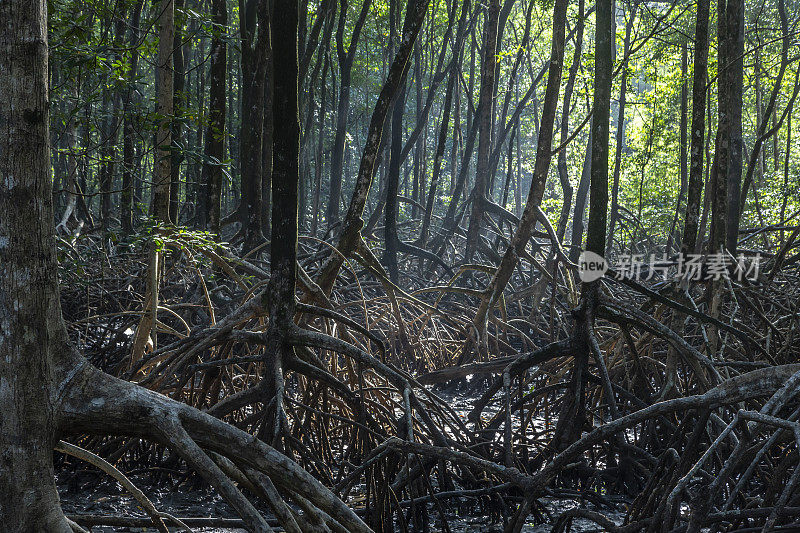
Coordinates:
(598, 196)
(279, 299)
(30, 311)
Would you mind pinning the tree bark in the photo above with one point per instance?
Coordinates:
(699, 81)
(29, 305)
(215, 136)
(163, 174)
(391, 239)
(486, 120)
(620, 137)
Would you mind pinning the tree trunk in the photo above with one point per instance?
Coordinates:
(343, 106)
(350, 236)
(604, 62)
(734, 86)
(163, 173)
(486, 119)
(128, 130)
(682, 147)
(391, 240)
(215, 136)
(179, 101)
(761, 127)
(279, 299)
(319, 157)
(700, 78)
(620, 137)
(437, 161)
(29, 306)
(266, 140)
(255, 36)
(566, 186)
(544, 155)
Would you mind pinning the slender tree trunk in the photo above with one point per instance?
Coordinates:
(735, 31)
(179, 101)
(785, 187)
(128, 130)
(620, 137)
(343, 106)
(71, 178)
(104, 176)
(216, 134)
(725, 222)
(437, 161)
(163, 173)
(266, 141)
(682, 147)
(350, 236)
(576, 239)
(255, 37)
(762, 134)
(486, 119)
(319, 157)
(544, 156)
(563, 175)
(391, 239)
(699, 81)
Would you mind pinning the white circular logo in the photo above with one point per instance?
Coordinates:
(591, 266)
